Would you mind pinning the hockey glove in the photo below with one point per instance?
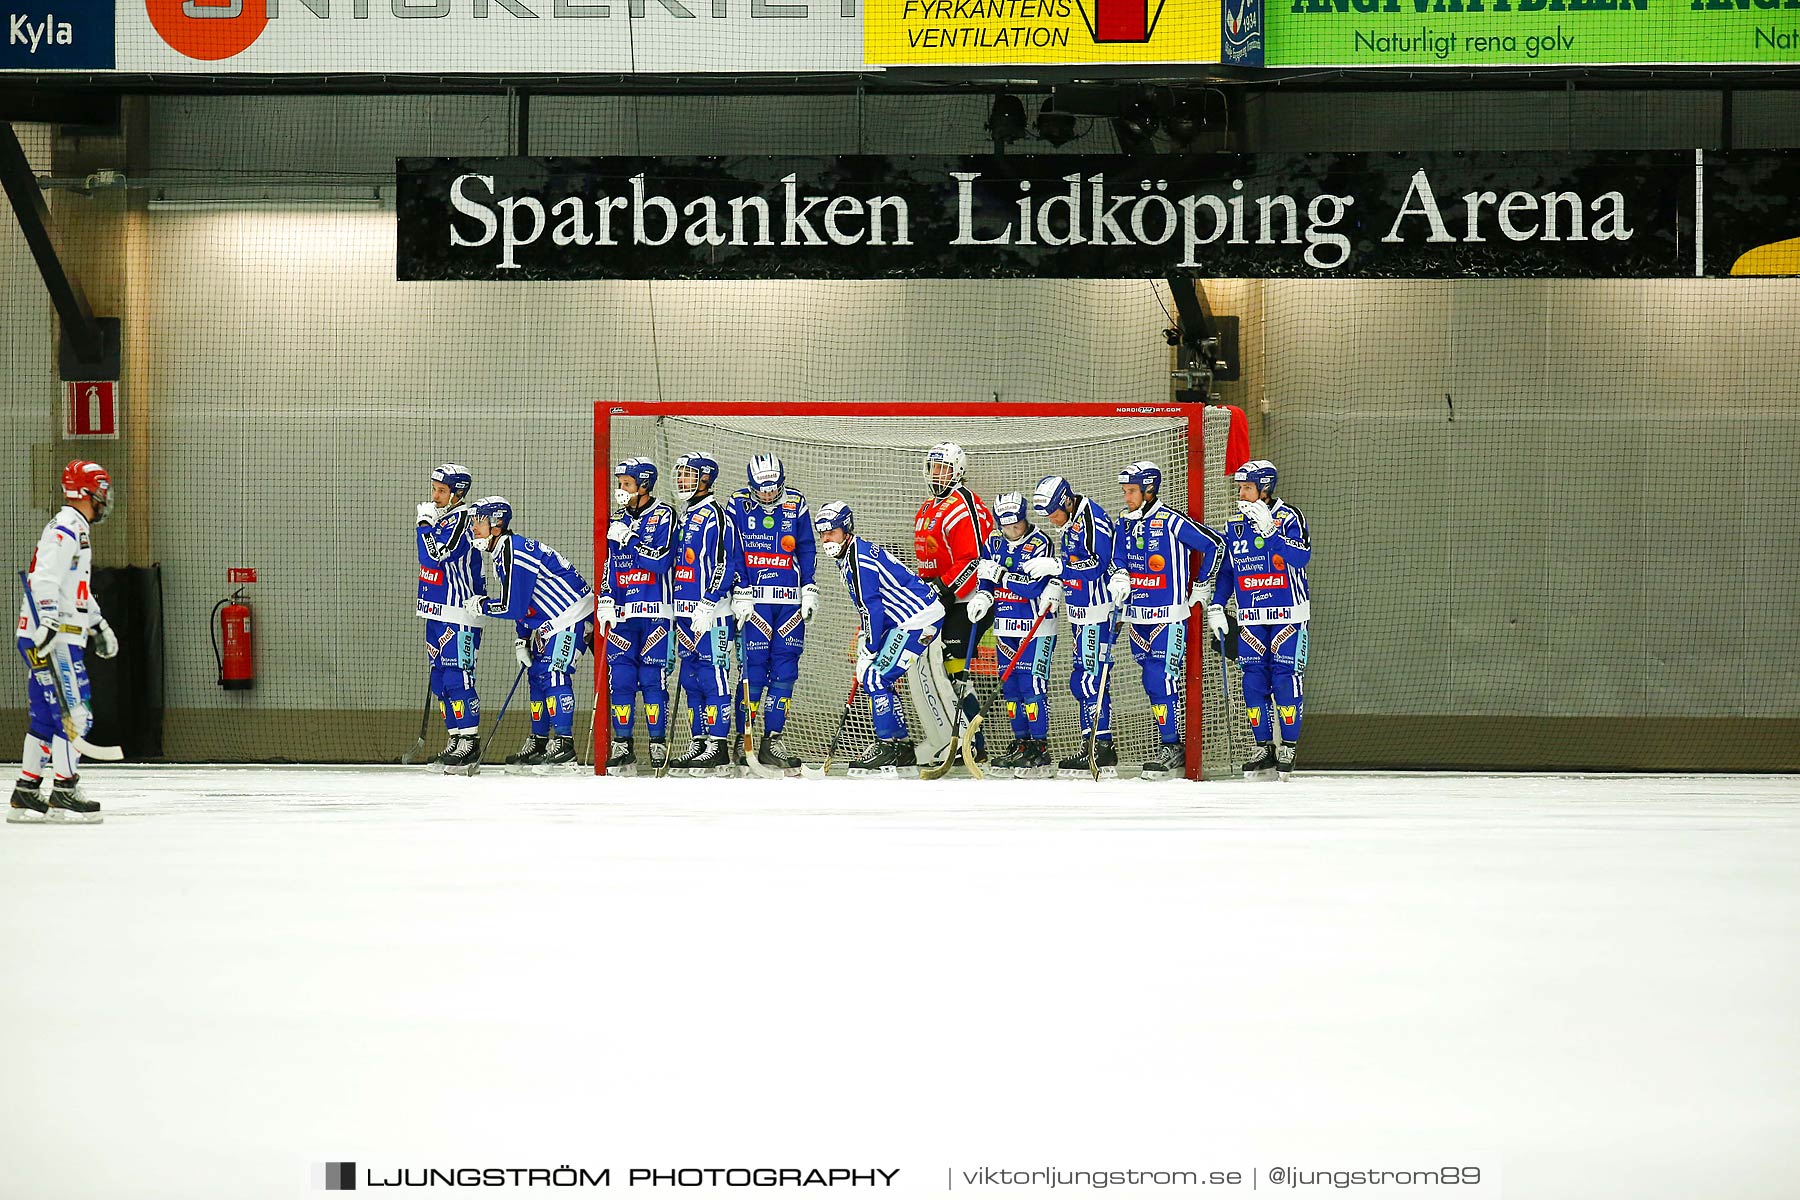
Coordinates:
(743, 603)
(979, 605)
(1218, 622)
(1043, 567)
(1200, 596)
(106, 642)
(473, 606)
(809, 601)
(427, 513)
(865, 663)
(606, 614)
(1118, 586)
(620, 534)
(704, 617)
(989, 570)
(520, 652)
(1259, 515)
(41, 636)
(1052, 595)
(1224, 629)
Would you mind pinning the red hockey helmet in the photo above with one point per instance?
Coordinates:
(83, 478)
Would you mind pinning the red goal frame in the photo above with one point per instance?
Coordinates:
(605, 410)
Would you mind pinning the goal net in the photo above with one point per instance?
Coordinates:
(871, 457)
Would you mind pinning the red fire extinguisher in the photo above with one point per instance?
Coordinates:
(237, 665)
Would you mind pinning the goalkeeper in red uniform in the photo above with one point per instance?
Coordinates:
(948, 535)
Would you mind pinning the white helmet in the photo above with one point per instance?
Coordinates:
(947, 454)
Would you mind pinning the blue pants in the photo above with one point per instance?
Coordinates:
(1161, 653)
(706, 676)
(1093, 649)
(638, 651)
(899, 650)
(1273, 659)
(773, 638)
(451, 649)
(552, 679)
(44, 741)
(1024, 690)
(43, 714)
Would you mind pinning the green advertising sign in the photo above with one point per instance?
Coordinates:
(1380, 33)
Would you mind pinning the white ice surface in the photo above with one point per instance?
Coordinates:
(1591, 985)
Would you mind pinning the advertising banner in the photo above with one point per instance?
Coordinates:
(488, 36)
(57, 35)
(1471, 215)
(975, 33)
(1753, 212)
(1524, 33)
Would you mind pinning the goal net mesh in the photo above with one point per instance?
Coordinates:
(874, 463)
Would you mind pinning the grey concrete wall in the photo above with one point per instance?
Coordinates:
(1598, 521)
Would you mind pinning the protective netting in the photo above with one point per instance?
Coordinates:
(1549, 515)
(874, 464)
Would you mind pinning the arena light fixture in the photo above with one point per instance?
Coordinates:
(1054, 125)
(1006, 119)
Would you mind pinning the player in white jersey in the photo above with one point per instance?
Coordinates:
(54, 634)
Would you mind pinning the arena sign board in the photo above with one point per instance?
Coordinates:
(1442, 33)
(1469, 215)
(488, 36)
(981, 33)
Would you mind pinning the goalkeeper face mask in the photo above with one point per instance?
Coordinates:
(833, 542)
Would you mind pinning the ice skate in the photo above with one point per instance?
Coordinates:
(464, 756)
(886, 758)
(1170, 763)
(528, 756)
(621, 758)
(558, 757)
(705, 759)
(1075, 766)
(69, 806)
(28, 807)
(1034, 760)
(659, 755)
(1261, 766)
(772, 755)
(1007, 763)
(1284, 761)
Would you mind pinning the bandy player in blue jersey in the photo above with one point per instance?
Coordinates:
(705, 565)
(633, 613)
(449, 574)
(540, 591)
(901, 615)
(1151, 582)
(1018, 602)
(773, 599)
(1081, 562)
(1268, 549)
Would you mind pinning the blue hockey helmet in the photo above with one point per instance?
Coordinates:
(454, 476)
(765, 474)
(640, 469)
(835, 515)
(1144, 474)
(1009, 509)
(706, 472)
(1053, 493)
(1259, 471)
(497, 511)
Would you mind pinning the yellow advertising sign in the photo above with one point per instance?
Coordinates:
(999, 32)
